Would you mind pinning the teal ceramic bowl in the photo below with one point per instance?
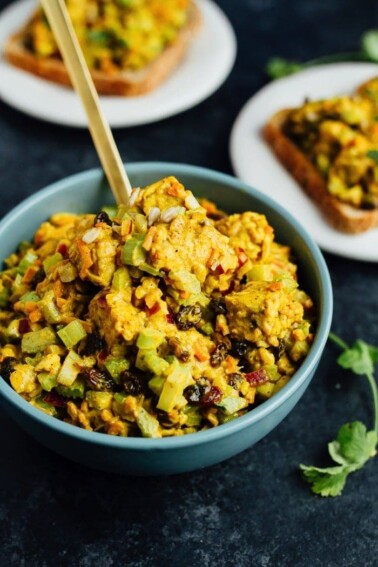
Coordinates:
(87, 192)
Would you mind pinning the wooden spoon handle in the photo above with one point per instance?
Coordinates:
(73, 57)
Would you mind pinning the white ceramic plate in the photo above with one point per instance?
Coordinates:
(207, 64)
(255, 164)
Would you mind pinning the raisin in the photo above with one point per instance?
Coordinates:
(218, 306)
(219, 354)
(6, 367)
(23, 326)
(279, 350)
(178, 349)
(98, 380)
(163, 418)
(239, 348)
(211, 397)
(193, 393)
(134, 383)
(55, 399)
(94, 343)
(204, 396)
(103, 217)
(188, 316)
(37, 278)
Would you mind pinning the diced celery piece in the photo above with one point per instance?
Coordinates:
(232, 404)
(51, 261)
(266, 390)
(272, 371)
(156, 384)
(194, 416)
(140, 362)
(174, 385)
(49, 309)
(26, 261)
(207, 329)
(260, 272)
(69, 369)
(150, 338)
(30, 296)
(115, 367)
(99, 400)
(147, 359)
(4, 297)
(37, 341)
(119, 398)
(193, 298)
(148, 424)
(140, 222)
(72, 333)
(299, 350)
(110, 211)
(75, 390)
(133, 252)
(149, 269)
(47, 381)
(156, 364)
(121, 279)
(184, 281)
(281, 383)
(17, 283)
(224, 418)
(289, 283)
(45, 407)
(12, 331)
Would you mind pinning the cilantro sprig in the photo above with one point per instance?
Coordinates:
(278, 67)
(354, 444)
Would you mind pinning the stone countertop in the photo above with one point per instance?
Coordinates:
(252, 510)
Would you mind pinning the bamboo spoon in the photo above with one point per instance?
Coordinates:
(73, 57)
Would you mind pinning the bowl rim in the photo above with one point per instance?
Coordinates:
(221, 431)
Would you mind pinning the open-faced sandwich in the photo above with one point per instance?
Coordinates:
(130, 46)
(331, 148)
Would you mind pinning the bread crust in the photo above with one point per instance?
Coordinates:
(124, 83)
(341, 216)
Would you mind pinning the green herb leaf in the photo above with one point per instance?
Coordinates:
(357, 358)
(277, 67)
(373, 154)
(325, 482)
(99, 36)
(369, 44)
(354, 445)
(373, 351)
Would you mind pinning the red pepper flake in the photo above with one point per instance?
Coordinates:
(219, 270)
(257, 377)
(62, 249)
(242, 257)
(102, 300)
(55, 400)
(103, 355)
(230, 289)
(154, 309)
(23, 326)
(170, 318)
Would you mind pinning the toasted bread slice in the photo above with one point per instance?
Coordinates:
(124, 83)
(342, 216)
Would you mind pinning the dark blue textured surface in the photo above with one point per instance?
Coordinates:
(253, 510)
